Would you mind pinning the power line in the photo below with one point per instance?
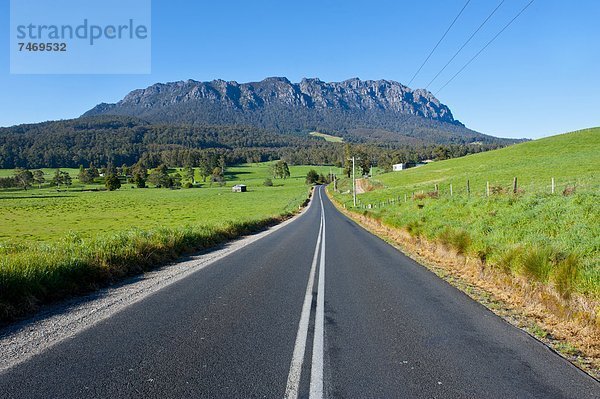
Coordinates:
(484, 47)
(439, 41)
(465, 43)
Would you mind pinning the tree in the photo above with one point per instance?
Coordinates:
(441, 153)
(139, 174)
(175, 180)
(23, 178)
(7, 182)
(66, 179)
(112, 182)
(190, 174)
(280, 170)
(125, 170)
(57, 178)
(61, 178)
(222, 164)
(312, 177)
(160, 177)
(205, 167)
(38, 177)
(138, 180)
(365, 165)
(93, 172)
(84, 175)
(347, 162)
(217, 176)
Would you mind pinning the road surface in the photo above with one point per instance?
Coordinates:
(319, 308)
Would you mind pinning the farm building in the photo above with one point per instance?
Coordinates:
(399, 166)
(239, 188)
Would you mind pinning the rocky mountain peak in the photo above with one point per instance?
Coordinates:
(311, 93)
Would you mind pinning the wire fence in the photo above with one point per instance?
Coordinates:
(469, 189)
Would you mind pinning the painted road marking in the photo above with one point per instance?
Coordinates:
(316, 370)
(293, 382)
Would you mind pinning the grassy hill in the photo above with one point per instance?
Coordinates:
(571, 158)
(552, 239)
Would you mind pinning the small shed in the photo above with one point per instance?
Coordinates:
(399, 166)
(239, 188)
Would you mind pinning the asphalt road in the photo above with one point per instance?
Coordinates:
(319, 308)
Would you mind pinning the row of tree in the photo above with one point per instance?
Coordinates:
(24, 178)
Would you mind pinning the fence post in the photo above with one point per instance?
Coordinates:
(553, 185)
(405, 199)
(515, 185)
(451, 193)
(468, 188)
(436, 188)
(487, 189)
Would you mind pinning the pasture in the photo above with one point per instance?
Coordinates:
(58, 243)
(549, 238)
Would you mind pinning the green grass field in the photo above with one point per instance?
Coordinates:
(328, 137)
(552, 239)
(47, 215)
(54, 244)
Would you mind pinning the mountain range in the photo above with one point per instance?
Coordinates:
(359, 111)
(178, 123)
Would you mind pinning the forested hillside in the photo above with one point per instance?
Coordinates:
(119, 140)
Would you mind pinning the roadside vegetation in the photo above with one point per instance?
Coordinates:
(520, 228)
(60, 240)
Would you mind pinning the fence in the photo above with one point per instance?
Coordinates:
(469, 190)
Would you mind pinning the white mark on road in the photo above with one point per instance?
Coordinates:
(316, 369)
(293, 382)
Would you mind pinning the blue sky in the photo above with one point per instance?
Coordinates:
(540, 77)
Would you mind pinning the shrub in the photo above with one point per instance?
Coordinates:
(569, 190)
(510, 259)
(312, 177)
(414, 228)
(188, 185)
(536, 263)
(496, 190)
(112, 182)
(460, 240)
(268, 182)
(565, 275)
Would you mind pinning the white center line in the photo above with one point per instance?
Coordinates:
(316, 370)
(293, 382)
